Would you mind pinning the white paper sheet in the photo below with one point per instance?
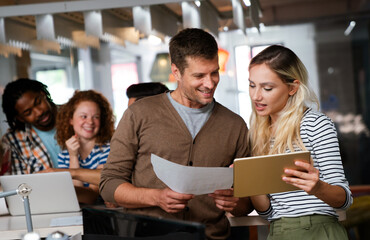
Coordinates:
(192, 180)
(66, 221)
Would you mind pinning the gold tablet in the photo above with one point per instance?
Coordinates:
(263, 174)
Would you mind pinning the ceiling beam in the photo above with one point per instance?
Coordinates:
(190, 15)
(75, 6)
(209, 17)
(93, 23)
(45, 27)
(142, 19)
(238, 15)
(163, 21)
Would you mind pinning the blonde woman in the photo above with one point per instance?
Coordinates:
(282, 122)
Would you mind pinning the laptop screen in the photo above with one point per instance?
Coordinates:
(51, 193)
(99, 224)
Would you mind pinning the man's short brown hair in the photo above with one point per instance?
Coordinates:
(192, 42)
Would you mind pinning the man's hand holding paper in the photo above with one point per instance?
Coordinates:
(172, 201)
(192, 180)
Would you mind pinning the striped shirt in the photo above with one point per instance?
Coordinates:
(97, 156)
(319, 136)
(28, 153)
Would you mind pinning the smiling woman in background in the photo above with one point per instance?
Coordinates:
(85, 125)
(282, 122)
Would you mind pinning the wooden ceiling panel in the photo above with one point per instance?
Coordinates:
(175, 7)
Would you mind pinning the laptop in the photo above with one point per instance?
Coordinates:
(101, 224)
(51, 193)
(263, 174)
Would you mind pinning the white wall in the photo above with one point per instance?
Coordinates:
(299, 38)
(7, 69)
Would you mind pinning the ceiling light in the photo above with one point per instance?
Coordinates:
(161, 68)
(197, 3)
(247, 3)
(350, 27)
(154, 40)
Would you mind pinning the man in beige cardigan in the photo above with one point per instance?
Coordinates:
(186, 126)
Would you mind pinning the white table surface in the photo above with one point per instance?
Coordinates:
(14, 227)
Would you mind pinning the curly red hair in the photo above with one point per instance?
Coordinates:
(65, 113)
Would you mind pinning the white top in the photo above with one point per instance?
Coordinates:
(319, 136)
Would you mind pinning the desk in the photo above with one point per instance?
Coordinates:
(252, 220)
(14, 227)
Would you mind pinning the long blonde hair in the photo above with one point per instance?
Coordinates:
(285, 63)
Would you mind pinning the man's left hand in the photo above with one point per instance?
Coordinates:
(225, 199)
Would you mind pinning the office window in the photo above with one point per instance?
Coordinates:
(123, 75)
(56, 80)
(243, 55)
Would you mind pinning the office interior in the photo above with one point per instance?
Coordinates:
(109, 45)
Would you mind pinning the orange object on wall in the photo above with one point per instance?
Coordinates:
(223, 56)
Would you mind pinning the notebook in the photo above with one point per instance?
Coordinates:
(51, 193)
(263, 174)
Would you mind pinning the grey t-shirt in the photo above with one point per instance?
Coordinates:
(194, 118)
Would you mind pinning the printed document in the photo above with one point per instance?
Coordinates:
(192, 180)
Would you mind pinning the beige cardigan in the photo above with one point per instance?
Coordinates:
(152, 125)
